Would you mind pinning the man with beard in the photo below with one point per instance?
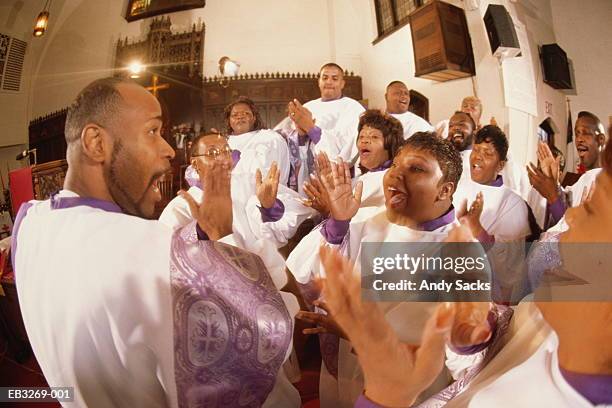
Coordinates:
(590, 139)
(121, 307)
(397, 98)
(461, 129)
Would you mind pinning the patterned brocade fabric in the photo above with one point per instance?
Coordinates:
(231, 327)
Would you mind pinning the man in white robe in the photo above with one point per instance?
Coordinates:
(397, 98)
(327, 124)
(415, 210)
(124, 309)
(256, 224)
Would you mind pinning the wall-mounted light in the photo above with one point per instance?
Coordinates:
(135, 69)
(228, 68)
(42, 20)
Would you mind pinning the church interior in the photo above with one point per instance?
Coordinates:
(532, 65)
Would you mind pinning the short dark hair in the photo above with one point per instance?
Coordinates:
(244, 100)
(395, 83)
(445, 153)
(469, 117)
(196, 140)
(332, 64)
(494, 135)
(98, 102)
(594, 118)
(391, 128)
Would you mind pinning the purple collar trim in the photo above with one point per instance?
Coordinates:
(597, 388)
(58, 203)
(498, 182)
(439, 222)
(383, 166)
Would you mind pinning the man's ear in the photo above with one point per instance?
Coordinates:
(601, 140)
(94, 142)
(446, 191)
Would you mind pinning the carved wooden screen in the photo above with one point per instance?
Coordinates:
(270, 92)
(46, 135)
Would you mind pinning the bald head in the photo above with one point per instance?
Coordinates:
(473, 106)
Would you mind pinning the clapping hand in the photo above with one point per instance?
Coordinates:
(395, 373)
(325, 323)
(546, 185)
(318, 198)
(301, 116)
(214, 214)
(549, 165)
(343, 204)
(267, 189)
(471, 217)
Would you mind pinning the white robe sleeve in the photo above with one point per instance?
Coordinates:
(281, 231)
(341, 140)
(269, 147)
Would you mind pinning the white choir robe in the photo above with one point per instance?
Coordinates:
(504, 216)
(525, 373)
(102, 319)
(280, 231)
(412, 123)
(408, 318)
(258, 149)
(504, 213)
(373, 194)
(338, 121)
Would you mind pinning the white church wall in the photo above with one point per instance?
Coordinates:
(583, 30)
(264, 36)
(17, 20)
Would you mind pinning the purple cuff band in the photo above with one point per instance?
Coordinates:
(334, 231)
(202, 236)
(475, 348)
(273, 213)
(557, 209)
(364, 402)
(314, 134)
(485, 238)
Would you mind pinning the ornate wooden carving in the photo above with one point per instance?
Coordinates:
(48, 178)
(174, 54)
(270, 91)
(46, 135)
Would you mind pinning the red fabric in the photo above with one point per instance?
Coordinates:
(22, 189)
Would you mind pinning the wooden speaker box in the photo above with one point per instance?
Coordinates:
(441, 42)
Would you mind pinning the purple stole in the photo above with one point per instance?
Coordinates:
(231, 327)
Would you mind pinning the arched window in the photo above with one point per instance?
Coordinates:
(419, 104)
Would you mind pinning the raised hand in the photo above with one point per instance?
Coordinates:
(323, 166)
(325, 323)
(318, 198)
(343, 204)
(587, 193)
(471, 217)
(214, 214)
(395, 373)
(267, 189)
(547, 186)
(548, 163)
(301, 116)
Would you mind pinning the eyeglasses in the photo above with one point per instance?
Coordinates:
(214, 152)
(235, 115)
